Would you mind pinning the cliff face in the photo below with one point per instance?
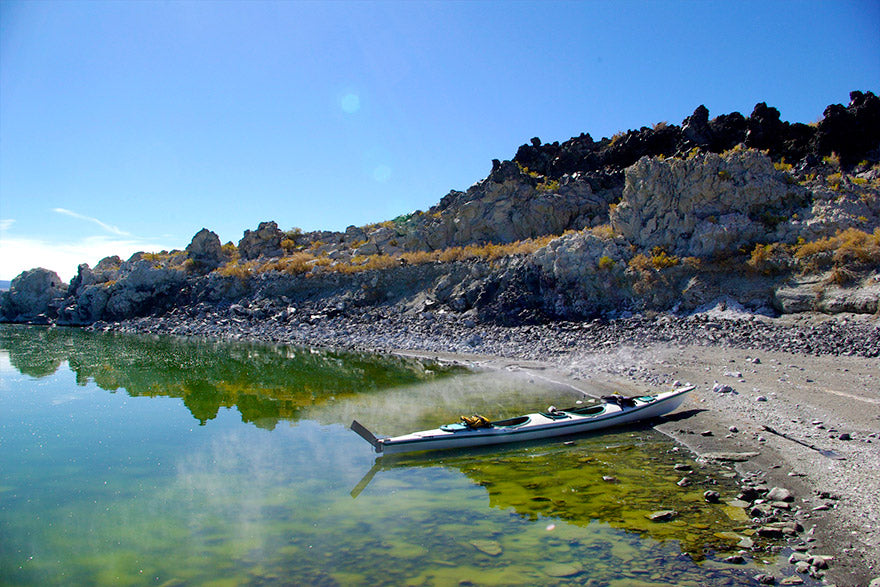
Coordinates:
(655, 219)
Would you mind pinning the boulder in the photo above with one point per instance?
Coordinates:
(705, 206)
(107, 269)
(508, 206)
(263, 242)
(33, 296)
(142, 289)
(205, 249)
(695, 127)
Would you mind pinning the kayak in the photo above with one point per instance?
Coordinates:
(478, 431)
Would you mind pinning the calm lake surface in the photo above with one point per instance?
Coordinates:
(156, 461)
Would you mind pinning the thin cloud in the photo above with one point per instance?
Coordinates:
(109, 228)
(6, 223)
(20, 254)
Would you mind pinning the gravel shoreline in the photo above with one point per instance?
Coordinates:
(811, 379)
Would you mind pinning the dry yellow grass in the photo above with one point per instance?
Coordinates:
(304, 262)
(851, 250)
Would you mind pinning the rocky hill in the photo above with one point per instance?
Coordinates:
(778, 217)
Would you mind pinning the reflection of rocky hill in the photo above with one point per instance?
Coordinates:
(264, 383)
(653, 219)
(612, 479)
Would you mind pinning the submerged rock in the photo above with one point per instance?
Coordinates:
(662, 515)
(490, 547)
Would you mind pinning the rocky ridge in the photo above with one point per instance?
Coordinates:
(659, 219)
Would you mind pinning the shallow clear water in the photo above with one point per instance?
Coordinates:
(140, 460)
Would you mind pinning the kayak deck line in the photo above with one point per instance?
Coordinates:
(531, 426)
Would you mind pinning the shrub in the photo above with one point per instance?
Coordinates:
(550, 185)
(603, 231)
(606, 263)
(841, 276)
(725, 175)
(641, 262)
(833, 159)
(851, 249)
(769, 259)
(294, 264)
(239, 270)
(288, 245)
(834, 181)
(783, 166)
(660, 259)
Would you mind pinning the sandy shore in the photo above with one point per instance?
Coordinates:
(829, 402)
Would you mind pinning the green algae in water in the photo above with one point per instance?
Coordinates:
(229, 464)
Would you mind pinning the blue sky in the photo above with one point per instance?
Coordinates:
(129, 126)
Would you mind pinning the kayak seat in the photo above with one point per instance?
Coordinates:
(587, 410)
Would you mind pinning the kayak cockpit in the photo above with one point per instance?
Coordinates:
(512, 422)
(509, 423)
(586, 410)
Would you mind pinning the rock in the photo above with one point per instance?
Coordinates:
(736, 559)
(31, 294)
(264, 242)
(722, 388)
(769, 532)
(779, 529)
(745, 542)
(802, 567)
(684, 482)
(490, 547)
(733, 429)
(561, 570)
(792, 580)
(737, 457)
(797, 557)
(845, 436)
(682, 467)
(695, 128)
(765, 579)
(662, 515)
(205, 250)
(701, 207)
(780, 494)
(712, 496)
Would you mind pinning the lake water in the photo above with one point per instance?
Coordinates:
(156, 461)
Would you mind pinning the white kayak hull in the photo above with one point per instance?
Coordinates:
(531, 426)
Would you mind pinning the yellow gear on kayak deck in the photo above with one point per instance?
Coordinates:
(476, 421)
